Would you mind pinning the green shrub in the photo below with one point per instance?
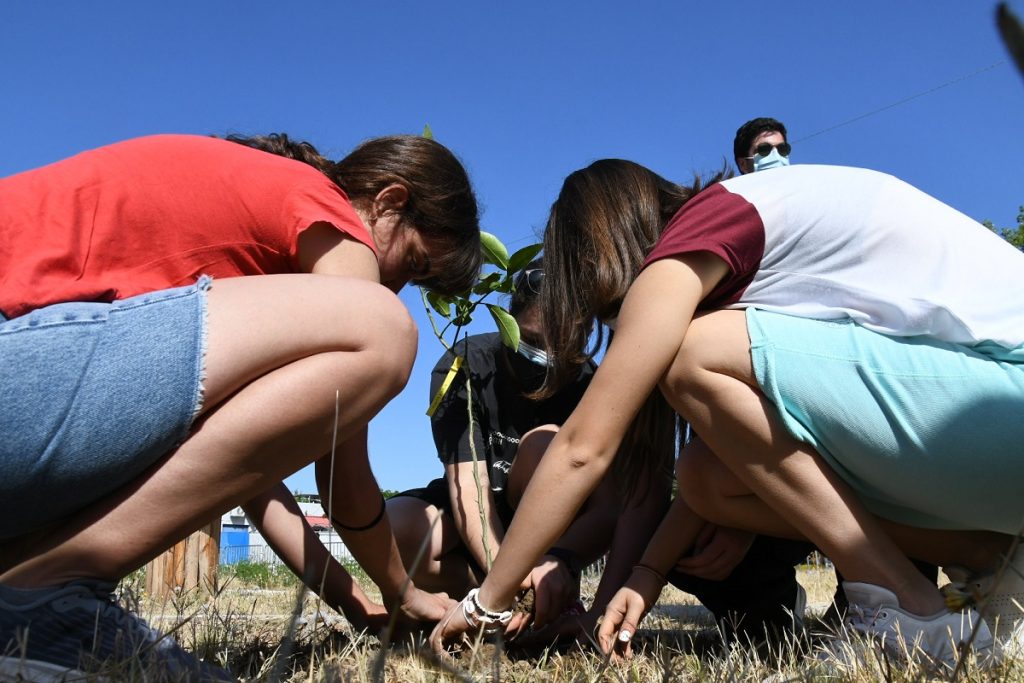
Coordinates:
(282, 577)
(248, 573)
(259, 574)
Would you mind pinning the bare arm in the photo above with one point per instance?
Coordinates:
(325, 250)
(555, 579)
(278, 517)
(635, 528)
(627, 608)
(652, 323)
(588, 535)
(353, 499)
(675, 535)
(466, 510)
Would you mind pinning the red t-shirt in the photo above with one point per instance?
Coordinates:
(157, 212)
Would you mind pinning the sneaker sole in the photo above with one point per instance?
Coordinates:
(18, 670)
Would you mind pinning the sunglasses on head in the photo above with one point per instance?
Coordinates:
(765, 148)
(531, 279)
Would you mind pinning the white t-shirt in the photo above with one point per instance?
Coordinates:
(831, 242)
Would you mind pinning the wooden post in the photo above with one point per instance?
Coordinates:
(188, 564)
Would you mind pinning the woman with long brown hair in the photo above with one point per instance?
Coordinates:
(507, 434)
(831, 337)
(184, 322)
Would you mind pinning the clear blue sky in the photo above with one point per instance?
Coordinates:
(525, 93)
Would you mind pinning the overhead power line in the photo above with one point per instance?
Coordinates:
(903, 101)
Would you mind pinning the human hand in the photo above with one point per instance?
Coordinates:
(518, 625)
(717, 551)
(452, 629)
(574, 624)
(625, 610)
(467, 616)
(418, 606)
(373, 619)
(555, 588)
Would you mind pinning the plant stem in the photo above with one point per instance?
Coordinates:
(469, 408)
(433, 323)
(476, 471)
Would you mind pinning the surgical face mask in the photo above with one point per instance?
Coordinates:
(533, 354)
(528, 366)
(773, 160)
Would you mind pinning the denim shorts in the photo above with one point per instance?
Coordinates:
(92, 395)
(928, 433)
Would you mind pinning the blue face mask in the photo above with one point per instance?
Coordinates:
(528, 366)
(773, 160)
(533, 354)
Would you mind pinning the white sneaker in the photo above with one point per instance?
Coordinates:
(1004, 610)
(875, 613)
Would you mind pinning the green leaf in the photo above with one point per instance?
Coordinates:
(507, 284)
(427, 132)
(487, 284)
(522, 258)
(440, 303)
(495, 252)
(463, 312)
(507, 326)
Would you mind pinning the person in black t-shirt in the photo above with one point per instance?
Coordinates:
(510, 433)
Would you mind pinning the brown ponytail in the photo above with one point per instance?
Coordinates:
(441, 202)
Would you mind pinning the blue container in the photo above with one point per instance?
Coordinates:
(234, 543)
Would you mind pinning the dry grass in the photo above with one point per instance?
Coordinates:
(282, 635)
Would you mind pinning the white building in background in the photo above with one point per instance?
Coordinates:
(240, 540)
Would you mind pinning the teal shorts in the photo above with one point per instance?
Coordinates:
(928, 433)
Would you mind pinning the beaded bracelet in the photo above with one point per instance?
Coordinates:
(477, 615)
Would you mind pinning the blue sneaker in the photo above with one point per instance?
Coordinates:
(78, 632)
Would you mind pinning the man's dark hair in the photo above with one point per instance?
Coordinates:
(750, 130)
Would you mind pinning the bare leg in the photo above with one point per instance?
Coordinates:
(280, 350)
(718, 495)
(532, 447)
(443, 567)
(591, 531)
(712, 385)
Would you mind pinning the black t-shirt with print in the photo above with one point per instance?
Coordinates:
(501, 413)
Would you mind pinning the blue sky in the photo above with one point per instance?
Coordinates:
(525, 93)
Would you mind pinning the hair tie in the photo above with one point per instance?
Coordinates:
(373, 523)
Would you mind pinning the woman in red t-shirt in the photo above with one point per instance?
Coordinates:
(142, 399)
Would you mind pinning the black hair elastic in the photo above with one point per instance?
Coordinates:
(375, 522)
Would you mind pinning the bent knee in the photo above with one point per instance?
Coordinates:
(716, 343)
(258, 324)
(390, 339)
(532, 447)
(412, 520)
(698, 474)
(535, 442)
